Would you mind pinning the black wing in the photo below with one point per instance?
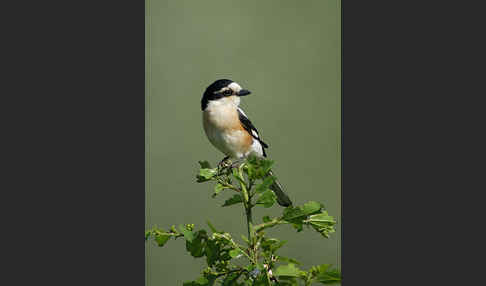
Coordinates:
(251, 129)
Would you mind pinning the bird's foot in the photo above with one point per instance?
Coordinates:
(224, 162)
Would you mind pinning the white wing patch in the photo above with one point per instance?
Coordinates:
(252, 131)
(255, 134)
(242, 112)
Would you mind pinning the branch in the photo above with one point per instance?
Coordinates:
(269, 224)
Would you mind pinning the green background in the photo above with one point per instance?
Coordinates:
(288, 53)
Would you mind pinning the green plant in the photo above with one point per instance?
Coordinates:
(250, 181)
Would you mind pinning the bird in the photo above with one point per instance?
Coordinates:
(230, 130)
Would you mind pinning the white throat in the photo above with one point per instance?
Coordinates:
(230, 102)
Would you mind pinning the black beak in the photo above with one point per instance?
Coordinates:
(243, 92)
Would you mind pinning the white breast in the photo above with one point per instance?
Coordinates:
(223, 128)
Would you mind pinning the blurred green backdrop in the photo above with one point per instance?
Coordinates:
(288, 53)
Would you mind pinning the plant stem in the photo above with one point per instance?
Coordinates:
(271, 223)
(249, 219)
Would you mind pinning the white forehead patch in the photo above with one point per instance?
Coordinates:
(234, 86)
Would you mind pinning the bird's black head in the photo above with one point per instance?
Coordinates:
(222, 88)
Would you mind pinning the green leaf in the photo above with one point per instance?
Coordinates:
(196, 247)
(202, 281)
(298, 215)
(272, 244)
(261, 167)
(206, 174)
(291, 213)
(323, 223)
(250, 170)
(301, 211)
(262, 280)
(188, 235)
(323, 274)
(230, 279)
(267, 182)
(266, 219)
(252, 160)
(205, 164)
(320, 268)
(217, 189)
(267, 199)
(329, 277)
(233, 200)
(322, 218)
(147, 234)
(278, 245)
(298, 226)
(250, 267)
(311, 207)
(267, 165)
(161, 238)
(224, 238)
(235, 252)
(212, 252)
(288, 270)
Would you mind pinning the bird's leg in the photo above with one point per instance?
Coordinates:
(223, 162)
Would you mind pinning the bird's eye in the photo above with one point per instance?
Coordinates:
(228, 92)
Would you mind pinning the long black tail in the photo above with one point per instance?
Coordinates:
(282, 198)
